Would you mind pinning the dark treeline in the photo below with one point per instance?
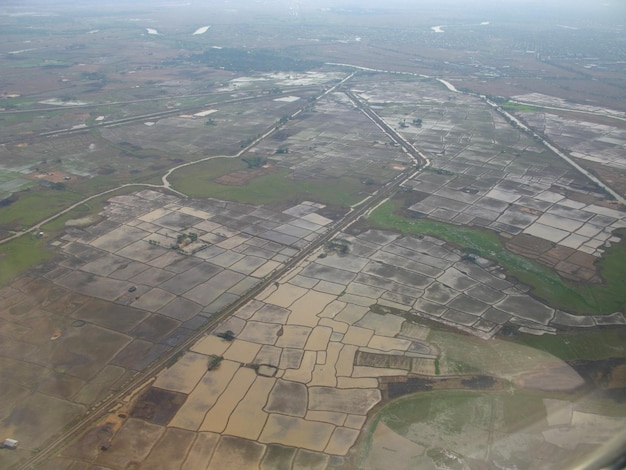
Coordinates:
(246, 60)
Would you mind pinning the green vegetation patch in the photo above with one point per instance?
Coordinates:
(546, 284)
(264, 187)
(499, 358)
(19, 255)
(35, 205)
(247, 60)
(588, 344)
(522, 410)
(519, 107)
(449, 413)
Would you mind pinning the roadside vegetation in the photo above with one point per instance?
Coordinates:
(546, 284)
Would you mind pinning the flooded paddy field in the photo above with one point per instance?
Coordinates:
(313, 353)
(310, 353)
(302, 368)
(486, 173)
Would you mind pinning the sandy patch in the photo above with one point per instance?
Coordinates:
(83, 221)
(559, 412)
(205, 113)
(204, 396)
(184, 375)
(331, 417)
(217, 417)
(318, 339)
(555, 376)
(297, 432)
(201, 451)
(390, 450)
(236, 453)
(341, 441)
(288, 398)
(294, 336)
(364, 371)
(345, 362)
(358, 401)
(383, 343)
(132, 443)
(258, 332)
(201, 30)
(285, 295)
(357, 336)
(325, 374)
(242, 351)
(248, 418)
(211, 345)
(171, 450)
(355, 421)
(338, 327)
(304, 373)
(287, 99)
(266, 269)
(364, 382)
(332, 309)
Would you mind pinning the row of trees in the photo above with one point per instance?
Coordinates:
(257, 60)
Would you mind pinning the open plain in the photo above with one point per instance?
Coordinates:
(272, 243)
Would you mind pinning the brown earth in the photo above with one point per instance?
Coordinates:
(158, 406)
(394, 387)
(569, 263)
(52, 176)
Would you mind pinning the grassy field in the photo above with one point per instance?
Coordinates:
(38, 203)
(20, 255)
(24, 253)
(517, 107)
(591, 344)
(547, 285)
(497, 357)
(35, 205)
(462, 421)
(462, 408)
(200, 181)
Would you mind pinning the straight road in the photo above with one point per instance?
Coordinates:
(165, 182)
(99, 411)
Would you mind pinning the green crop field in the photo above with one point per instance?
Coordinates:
(498, 357)
(35, 205)
(591, 344)
(199, 181)
(20, 255)
(521, 108)
(547, 285)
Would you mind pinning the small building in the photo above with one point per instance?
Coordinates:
(10, 444)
